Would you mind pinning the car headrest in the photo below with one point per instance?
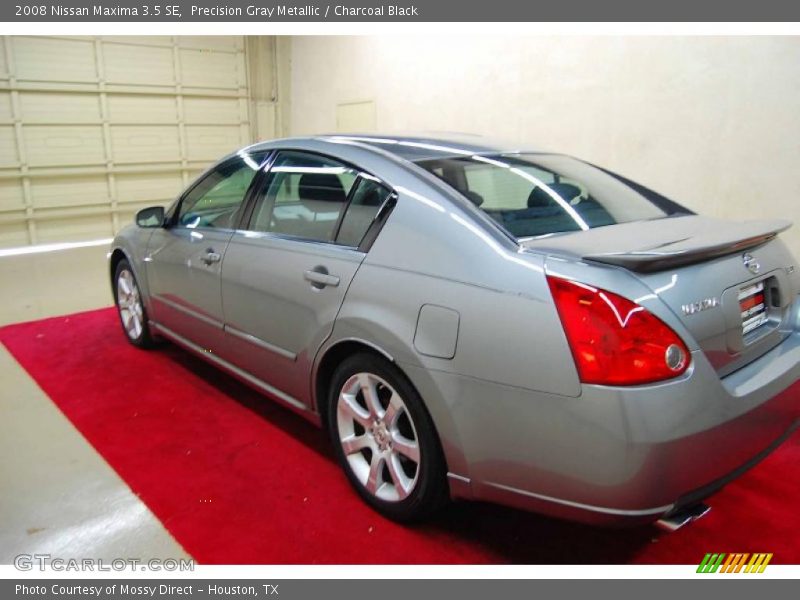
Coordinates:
(473, 197)
(374, 197)
(539, 198)
(320, 187)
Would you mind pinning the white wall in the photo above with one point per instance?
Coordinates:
(711, 122)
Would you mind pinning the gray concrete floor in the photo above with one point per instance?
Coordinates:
(47, 284)
(57, 495)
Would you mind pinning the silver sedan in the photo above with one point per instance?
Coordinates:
(472, 321)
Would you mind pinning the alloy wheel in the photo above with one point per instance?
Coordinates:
(130, 305)
(378, 437)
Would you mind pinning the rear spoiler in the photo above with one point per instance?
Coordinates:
(695, 249)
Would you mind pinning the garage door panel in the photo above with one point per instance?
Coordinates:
(8, 147)
(108, 127)
(11, 197)
(139, 40)
(60, 192)
(64, 145)
(145, 144)
(43, 59)
(36, 107)
(3, 62)
(6, 114)
(86, 226)
(13, 234)
(217, 42)
(209, 69)
(155, 188)
(141, 65)
(138, 108)
(211, 110)
(211, 142)
(126, 217)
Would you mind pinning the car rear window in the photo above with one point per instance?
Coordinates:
(532, 195)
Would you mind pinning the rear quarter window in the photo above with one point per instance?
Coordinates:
(368, 197)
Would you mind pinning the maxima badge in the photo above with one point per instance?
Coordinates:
(700, 305)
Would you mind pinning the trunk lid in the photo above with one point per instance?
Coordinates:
(731, 284)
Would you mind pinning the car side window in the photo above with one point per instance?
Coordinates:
(366, 201)
(305, 196)
(214, 202)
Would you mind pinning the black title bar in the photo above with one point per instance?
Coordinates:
(260, 11)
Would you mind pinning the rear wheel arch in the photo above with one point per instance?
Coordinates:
(334, 356)
(330, 360)
(446, 426)
(429, 489)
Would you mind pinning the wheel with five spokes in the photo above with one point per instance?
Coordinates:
(132, 313)
(385, 439)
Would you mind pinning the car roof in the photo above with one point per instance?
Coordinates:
(425, 146)
(428, 147)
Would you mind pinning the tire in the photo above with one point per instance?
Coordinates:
(130, 308)
(389, 451)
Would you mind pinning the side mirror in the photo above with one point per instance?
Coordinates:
(151, 217)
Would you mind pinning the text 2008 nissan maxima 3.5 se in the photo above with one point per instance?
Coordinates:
(470, 322)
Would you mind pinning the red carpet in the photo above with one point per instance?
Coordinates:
(238, 480)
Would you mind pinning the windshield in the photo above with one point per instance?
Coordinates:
(539, 194)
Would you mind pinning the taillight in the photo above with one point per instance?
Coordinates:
(615, 341)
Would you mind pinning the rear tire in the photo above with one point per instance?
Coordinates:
(385, 440)
(130, 308)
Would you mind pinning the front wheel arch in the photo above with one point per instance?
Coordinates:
(117, 255)
(144, 338)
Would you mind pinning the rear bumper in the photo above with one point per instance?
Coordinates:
(621, 454)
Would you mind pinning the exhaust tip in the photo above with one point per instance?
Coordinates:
(682, 516)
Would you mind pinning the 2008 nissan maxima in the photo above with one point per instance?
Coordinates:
(472, 321)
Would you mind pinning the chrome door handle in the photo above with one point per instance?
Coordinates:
(211, 257)
(320, 279)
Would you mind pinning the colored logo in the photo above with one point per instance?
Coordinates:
(734, 563)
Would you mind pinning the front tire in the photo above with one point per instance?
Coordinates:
(385, 440)
(131, 310)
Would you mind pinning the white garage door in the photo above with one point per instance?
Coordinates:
(93, 129)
